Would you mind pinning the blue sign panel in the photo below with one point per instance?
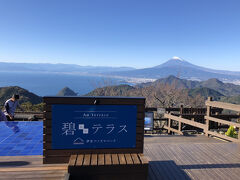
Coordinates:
(93, 126)
(148, 121)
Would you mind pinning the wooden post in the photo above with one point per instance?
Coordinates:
(216, 124)
(181, 110)
(207, 120)
(193, 119)
(169, 125)
(181, 113)
(180, 125)
(239, 135)
(238, 120)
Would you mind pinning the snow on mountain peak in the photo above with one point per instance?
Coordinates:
(177, 58)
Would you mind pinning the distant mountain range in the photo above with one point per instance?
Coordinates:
(183, 69)
(175, 66)
(65, 68)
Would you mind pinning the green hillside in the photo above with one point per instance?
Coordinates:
(173, 91)
(232, 99)
(205, 92)
(160, 95)
(226, 89)
(120, 90)
(25, 95)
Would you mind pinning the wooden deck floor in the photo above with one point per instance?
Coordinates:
(171, 157)
(177, 157)
(30, 167)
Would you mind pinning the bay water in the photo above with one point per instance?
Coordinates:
(49, 84)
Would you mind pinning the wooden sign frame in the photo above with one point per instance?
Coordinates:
(62, 156)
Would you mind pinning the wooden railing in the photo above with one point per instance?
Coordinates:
(180, 121)
(28, 116)
(209, 103)
(186, 110)
(205, 126)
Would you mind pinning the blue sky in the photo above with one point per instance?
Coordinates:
(133, 33)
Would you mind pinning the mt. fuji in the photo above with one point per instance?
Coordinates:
(183, 69)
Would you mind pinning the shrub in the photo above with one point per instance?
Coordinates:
(231, 132)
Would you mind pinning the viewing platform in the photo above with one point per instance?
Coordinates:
(34, 153)
(170, 157)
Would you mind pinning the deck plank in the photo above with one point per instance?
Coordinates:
(79, 161)
(87, 160)
(122, 159)
(94, 160)
(108, 159)
(135, 159)
(128, 159)
(143, 159)
(115, 160)
(100, 159)
(72, 160)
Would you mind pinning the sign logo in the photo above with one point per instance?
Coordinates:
(81, 127)
(78, 141)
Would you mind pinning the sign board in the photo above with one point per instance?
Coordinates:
(148, 121)
(93, 126)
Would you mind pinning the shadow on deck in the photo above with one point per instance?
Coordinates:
(13, 163)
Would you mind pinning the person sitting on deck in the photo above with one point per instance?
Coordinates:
(10, 107)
